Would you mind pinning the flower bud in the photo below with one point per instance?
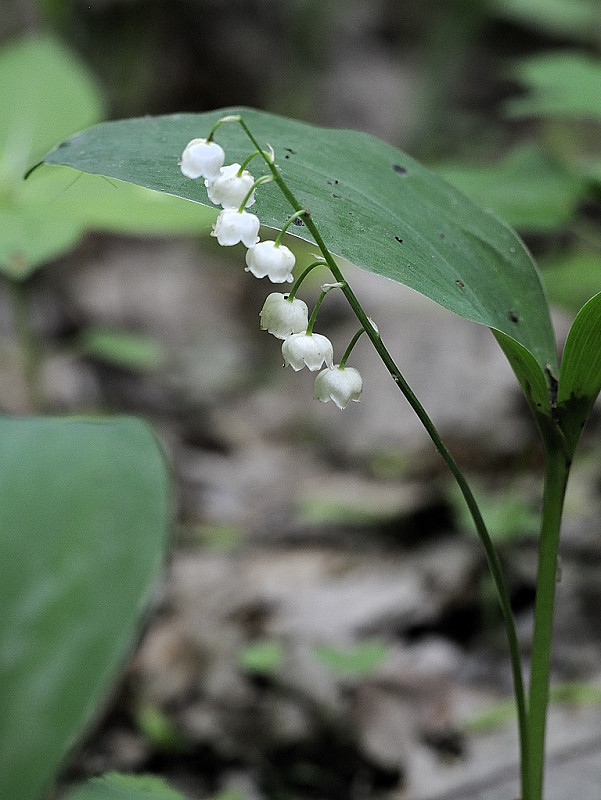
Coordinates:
(271, 260)
(229, 189)
(309, 350)
(283, 317)
(234, 226)
(202, 159)
(339, 385)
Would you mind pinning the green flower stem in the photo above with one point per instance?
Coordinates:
(258, 182)
(289, 221)
(491, 554)
(302, 277)
(349, 349)
(557, 468)
(314, 313)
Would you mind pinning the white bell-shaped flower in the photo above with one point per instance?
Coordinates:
(311, 350)
(271, 260)
(283, 317)
(202, 159)
(234, 226)
(339, 385)
(229, 188)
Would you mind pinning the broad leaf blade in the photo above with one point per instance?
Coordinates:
(84, 512)
(580, 376)
(374, 206)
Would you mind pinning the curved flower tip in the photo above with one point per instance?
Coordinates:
(271, 260)
(282, 317)
(311, 350)
(234, 226)
(229, 189)
(202, 159)
(339, 385)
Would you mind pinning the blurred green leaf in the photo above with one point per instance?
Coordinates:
(564, 84)
(528, 189)
(225, 538)
(375, 206)
(84, 515)
(509, 516)
(115, 786)
(93, 201)
(572, 279)
(262, 657)
(359, 660)
(158, 729)
(45, 94)
(580, 375)
(121, 349)
(573, 692)
(45, 216)
(580, 18)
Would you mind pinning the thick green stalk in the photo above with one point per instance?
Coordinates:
(491, 554)
(557, 468)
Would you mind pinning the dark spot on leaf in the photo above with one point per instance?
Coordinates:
(441, 235)
(459, 283)
(399, 169)
(337, 196)
(399, 240)
(286, 156)
(513, 316)
(330, 183)
(289, 150)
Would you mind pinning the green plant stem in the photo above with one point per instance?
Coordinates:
(491, 554)
(557, 468)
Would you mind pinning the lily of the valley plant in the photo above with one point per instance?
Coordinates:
(376, 207)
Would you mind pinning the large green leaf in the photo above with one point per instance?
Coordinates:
(580, 376)
(84, 513)
(374, 205)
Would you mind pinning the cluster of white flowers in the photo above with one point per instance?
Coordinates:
(287, 318)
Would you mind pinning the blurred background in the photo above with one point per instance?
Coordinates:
(326, 627)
